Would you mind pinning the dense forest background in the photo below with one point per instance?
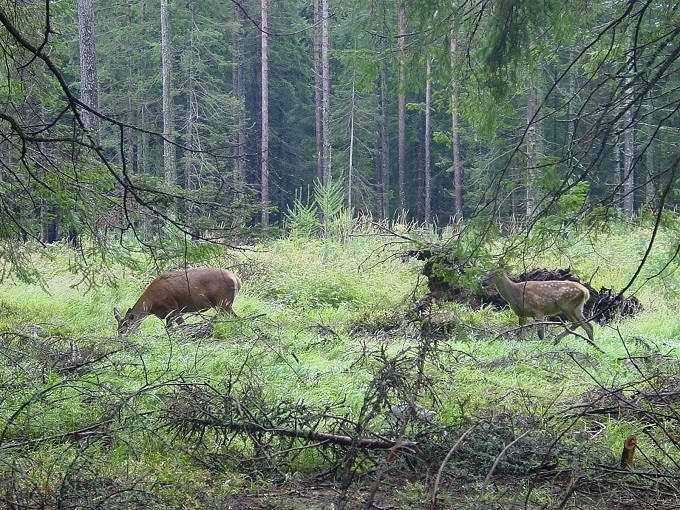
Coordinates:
(218, 116)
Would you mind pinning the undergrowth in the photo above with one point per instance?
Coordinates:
(311, 313)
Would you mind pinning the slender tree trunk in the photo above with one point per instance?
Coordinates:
(191, 163)
(350, 171)
(142, 150)
(384, 148)
(427, 215)
(531, 143)
(455, 129)
(618, 162)
(420, 173)
(89, 87)
(131, 138)
(650, 191)
(264, 151)
(238, 89)
(326, 92)
(318, 93)
(401, 45)
(169, 164)
(142, 137)
(628, 170)
(628, 183)
(377, 167)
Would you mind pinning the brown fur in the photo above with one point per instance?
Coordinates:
(542, 299)
(172, 294)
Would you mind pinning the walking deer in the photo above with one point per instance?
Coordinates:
(174, 293)
(542, 299)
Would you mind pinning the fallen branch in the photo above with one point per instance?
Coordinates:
(435, 487)
(500, 456)
(311, 435)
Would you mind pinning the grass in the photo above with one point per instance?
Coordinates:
(305, 297)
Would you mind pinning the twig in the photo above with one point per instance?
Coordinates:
(435, 487)
(500, 456)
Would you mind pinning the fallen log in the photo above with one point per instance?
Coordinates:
(603, 306)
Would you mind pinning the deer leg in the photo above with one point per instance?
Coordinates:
(522, 322)
(585, 325)
(541, 326)
(563, 333)
(172, 319)
(227, 308)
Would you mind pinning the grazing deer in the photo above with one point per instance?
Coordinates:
(541, 299)
(172, 294)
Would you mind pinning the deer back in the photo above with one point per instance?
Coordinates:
(193, 290)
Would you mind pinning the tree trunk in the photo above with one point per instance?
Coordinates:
(618, 162)
(427, 215)
(238, 89)
(650, 192)
(191, 163)
(377, 164)
(131, 138)
(628, 178)
(318, 94)
(89, 88)
(455, 130)
(531, 143)
(401, 44)
(628, 156)
(384, 149)
(350, 170)
(264, 151)
(326, 92)
(169, 164)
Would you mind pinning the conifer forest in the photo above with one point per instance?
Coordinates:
(340, 254)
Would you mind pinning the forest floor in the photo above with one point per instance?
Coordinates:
(323, 341)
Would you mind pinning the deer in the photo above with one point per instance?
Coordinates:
(542, 299)
(174, 293)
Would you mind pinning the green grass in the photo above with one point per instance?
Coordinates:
(299, 289)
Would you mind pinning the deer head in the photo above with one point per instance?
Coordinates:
(129, 323)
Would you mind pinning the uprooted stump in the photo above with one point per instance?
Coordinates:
(604, 305)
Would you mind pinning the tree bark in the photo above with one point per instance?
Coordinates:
(377, 162)
(350, 170)
(238, 89)
(531, 143)
(427, 215)
(169, 164)
(89, 87)
(131, 138)
(326, 92)
(455, 130)
(650, 191)
(628, 169)
(384, 148)
(401, 45)
(191, 165)
(318, 94)
(264, 149)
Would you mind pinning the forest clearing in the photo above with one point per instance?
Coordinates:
(330, 254)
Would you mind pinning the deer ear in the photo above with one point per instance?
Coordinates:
(116, 314)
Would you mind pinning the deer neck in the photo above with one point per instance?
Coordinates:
(141, 308)
(509, 290)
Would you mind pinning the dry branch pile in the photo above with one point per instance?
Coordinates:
(604, 305)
